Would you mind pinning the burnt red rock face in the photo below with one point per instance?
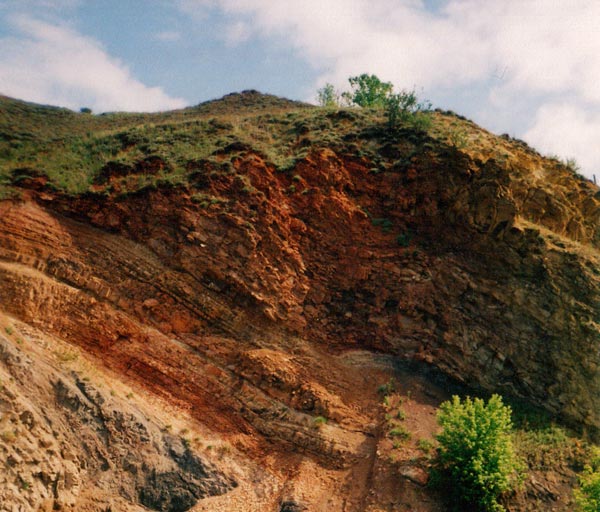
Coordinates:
(236, 297)
(29, 178)
(439, 265)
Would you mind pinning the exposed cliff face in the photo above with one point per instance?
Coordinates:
(248, 296)
(70, 442)
(466, 265)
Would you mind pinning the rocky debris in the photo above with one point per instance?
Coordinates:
(291, 506)
(178, 492)
(61, 434)
(415, 474)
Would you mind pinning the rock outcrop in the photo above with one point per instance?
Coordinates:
(237, 295)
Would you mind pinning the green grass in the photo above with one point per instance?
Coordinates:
(72, 148)
(319, 421)
(399, 432)
(425, 445)
(552, 446)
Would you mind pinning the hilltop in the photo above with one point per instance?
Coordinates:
(217, 295)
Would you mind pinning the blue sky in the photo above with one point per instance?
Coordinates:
(530, 68)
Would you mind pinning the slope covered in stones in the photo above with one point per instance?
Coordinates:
(262, 264)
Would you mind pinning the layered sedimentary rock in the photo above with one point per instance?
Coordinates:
(240, 308)
(482, 269)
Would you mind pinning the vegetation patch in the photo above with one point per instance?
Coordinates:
(476, 455)
(319, 421)
(587, 496)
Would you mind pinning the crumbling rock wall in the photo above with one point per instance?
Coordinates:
(485, 270)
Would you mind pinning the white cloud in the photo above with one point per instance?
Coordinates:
(46, 9)
(399, 40)
(533, 52)
(568, 131)
(543, 45)
(198, 9)
(55, 64)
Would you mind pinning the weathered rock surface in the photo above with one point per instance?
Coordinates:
(241, 311)
(498, 286)
(62, 436)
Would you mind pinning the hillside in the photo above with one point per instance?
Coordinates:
(214, 296)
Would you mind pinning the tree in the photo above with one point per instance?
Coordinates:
(476, 451)
(328, 96)
(368, 91)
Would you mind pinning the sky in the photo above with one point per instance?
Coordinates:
(529, 68)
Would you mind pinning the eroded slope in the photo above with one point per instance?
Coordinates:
(253, 296)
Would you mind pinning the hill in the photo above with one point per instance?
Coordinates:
(216, 295)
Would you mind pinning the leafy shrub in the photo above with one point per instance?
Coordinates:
(476, 451)
(388, 388)
(425, 445)
(399, 432)
(587, 497)
(404, 108)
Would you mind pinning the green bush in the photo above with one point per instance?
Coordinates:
(388, 388)
(400, 432)
(587, 497)
(404, 108)
(396, 106)
(476, 454)
(425, 445)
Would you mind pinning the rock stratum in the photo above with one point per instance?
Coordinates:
(218, 343)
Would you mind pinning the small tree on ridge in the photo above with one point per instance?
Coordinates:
(368, 91)
(328, 96)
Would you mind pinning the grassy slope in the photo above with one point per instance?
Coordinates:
(71, 148)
